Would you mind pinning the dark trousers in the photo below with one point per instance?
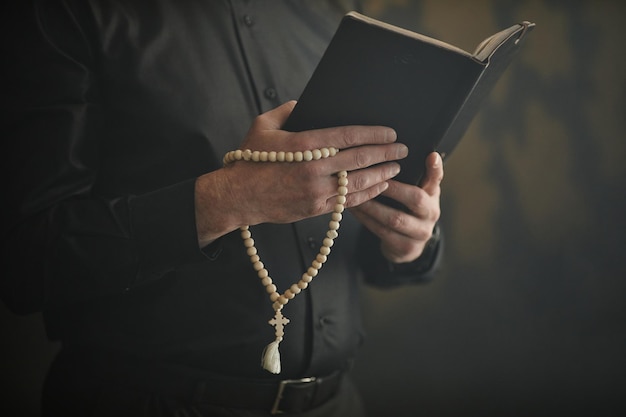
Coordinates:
(78, 387)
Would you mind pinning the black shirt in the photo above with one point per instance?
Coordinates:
(114, 108)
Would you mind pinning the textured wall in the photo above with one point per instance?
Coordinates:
(528, 316)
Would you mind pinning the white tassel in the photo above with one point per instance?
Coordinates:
(270, 360)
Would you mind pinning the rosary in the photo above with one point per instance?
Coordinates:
(270, 359)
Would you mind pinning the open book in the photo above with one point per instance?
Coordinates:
(373, 73)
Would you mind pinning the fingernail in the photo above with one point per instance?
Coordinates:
(437, 161)
(403, 151)
(395, 170)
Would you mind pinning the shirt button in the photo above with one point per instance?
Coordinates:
(248, 20)
(311, 242)
(323, 322)
(270, 93)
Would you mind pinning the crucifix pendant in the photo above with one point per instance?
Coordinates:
(279, 322)
(270, 360)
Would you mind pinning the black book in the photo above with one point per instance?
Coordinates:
(374, 73)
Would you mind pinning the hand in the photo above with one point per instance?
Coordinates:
(403, 235)
(248, 193)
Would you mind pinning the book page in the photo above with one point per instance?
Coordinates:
(488, 46)
(409, 33)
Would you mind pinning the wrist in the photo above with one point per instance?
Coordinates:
(215, 217)
(425, 261)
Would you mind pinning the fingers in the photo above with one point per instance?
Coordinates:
(396, 246)
(341, 137)
(389, 223)
(266, 133)
(344, 137)
(434, 174)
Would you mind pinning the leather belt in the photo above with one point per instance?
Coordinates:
(286, 396)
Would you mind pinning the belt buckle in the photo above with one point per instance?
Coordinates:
(281, 388)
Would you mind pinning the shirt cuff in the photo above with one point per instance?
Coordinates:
(426, 261)
(379, 272)
(164, 229)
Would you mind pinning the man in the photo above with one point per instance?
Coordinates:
(124, 222)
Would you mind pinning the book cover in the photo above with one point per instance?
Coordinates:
(373, 73)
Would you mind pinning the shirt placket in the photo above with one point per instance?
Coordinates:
(249, 24)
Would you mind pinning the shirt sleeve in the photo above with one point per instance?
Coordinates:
(62, 240)
(379, 272)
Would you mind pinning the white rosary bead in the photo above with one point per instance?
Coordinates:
(306, 277)
(295, 289)
(263, 273)
(328, 242)
(266, 281)
(302, 284)
(280, 156)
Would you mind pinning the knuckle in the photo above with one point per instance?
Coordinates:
(424, 233)
(396, 220)
(435, 213)
(312, 171)
(417, 202)
(357, 182)
(350, 136)
(361, 159)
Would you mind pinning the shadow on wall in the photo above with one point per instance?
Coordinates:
(528, 315)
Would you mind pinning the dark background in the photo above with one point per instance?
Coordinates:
(528, 315)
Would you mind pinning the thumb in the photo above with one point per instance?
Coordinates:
(274, 119)
(434, 174)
